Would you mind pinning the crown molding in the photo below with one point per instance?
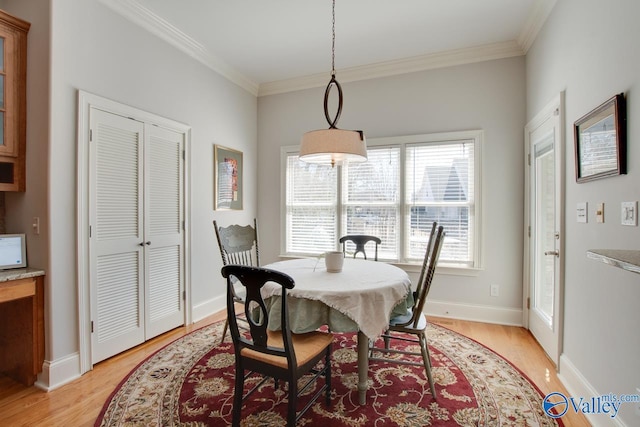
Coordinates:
(138, 14)
(153, 23)
(402, 66)
(540, 11)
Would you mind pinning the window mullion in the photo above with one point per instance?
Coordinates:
(340, 208)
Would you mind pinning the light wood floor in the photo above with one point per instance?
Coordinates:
(80, 402)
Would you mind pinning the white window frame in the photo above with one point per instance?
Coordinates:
(477, 136)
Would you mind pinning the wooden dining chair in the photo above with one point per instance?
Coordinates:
(360, 240)
(281, 355)
(238, 245)
(414, 322)
(425, 262)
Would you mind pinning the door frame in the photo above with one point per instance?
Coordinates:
(86, 101)
(555, 107)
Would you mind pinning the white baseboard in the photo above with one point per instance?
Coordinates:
(59, 372)
(209, 307)
(578, 386)
(476, 313)
(62, 371)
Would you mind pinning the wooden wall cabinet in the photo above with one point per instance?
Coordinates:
(13, 101)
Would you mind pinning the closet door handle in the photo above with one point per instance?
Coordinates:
(144, 243)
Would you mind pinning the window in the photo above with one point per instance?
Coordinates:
(439, 187)
(371, 199)
(312, 206)
(407, 183)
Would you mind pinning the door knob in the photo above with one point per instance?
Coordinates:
(556, 253)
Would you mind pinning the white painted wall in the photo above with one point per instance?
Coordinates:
(487, 95)
(97, 50)
(590, 49)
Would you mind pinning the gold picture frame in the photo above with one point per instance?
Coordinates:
(227, 172)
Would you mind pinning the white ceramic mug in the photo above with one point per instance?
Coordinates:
(334, 261)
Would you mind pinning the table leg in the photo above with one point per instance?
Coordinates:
(363, 367)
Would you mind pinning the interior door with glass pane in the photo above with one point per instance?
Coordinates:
(544, 242)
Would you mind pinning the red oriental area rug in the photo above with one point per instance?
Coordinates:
(190, 383)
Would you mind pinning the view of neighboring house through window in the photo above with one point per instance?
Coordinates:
(406, 184)
(440, 187)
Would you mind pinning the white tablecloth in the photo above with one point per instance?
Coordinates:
(365, 291)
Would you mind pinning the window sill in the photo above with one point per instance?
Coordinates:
(441, 269)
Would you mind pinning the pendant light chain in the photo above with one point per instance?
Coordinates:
(333, 41)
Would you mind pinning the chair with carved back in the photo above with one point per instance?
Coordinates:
(238, 245)
(414, 322)
(427, 256)
(281, 355)
(360, 240)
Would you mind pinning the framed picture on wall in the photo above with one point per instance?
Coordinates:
(227, 172)
(600, 141)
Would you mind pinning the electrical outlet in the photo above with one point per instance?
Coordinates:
(600, 212)
(494, 290)
(629, 213)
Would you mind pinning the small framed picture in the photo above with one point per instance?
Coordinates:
(227, 171)
(600, 141)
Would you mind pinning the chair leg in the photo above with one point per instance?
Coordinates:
(237, 395)
(224, 331)
(291, 407)
(327, 378)
(426, 359)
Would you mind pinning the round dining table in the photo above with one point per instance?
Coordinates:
(363, 297)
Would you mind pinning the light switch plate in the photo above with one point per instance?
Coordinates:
(581, 212)
(600, 212)
(629, 213)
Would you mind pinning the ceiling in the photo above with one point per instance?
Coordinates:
(272, 46)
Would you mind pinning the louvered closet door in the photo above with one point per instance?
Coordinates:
(116, 256)
(164, 235)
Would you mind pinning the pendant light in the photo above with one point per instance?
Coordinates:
(333, 146)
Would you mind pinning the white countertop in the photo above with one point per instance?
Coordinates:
(626, 259)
